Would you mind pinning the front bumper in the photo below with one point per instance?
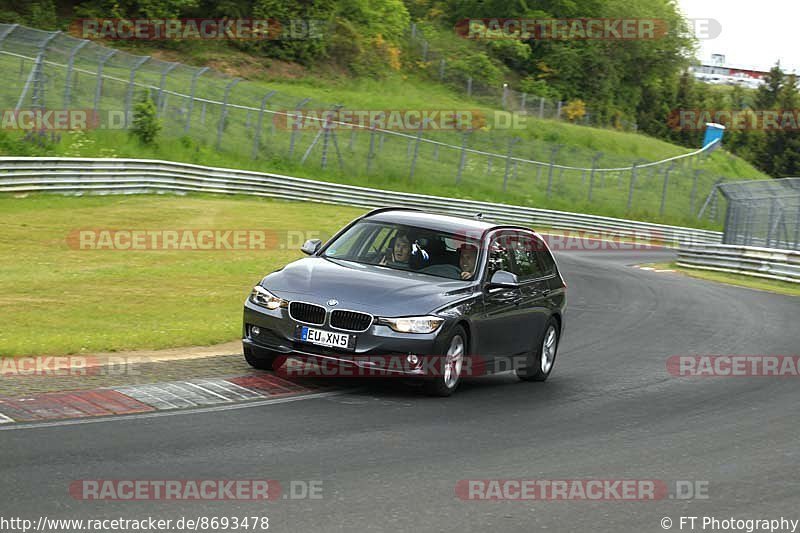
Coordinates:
(379, 349)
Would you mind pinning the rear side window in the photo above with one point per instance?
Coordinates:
(548, 263)
(527, 261)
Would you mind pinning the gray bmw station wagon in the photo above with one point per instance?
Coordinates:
(444, 296)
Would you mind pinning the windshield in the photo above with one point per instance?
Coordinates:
(402, 247)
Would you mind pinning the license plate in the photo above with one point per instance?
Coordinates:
(331, 339)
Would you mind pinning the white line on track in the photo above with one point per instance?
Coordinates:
(159, 414)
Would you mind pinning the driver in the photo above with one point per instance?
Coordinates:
(400, 252)
(467, 258)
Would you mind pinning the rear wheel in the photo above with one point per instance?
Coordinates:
(259, 358)
(541, 360)
(452, 363)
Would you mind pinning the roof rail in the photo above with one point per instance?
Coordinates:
(384, 209)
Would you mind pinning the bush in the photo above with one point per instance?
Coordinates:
(575, 110)
(146, 125)
(479, 67)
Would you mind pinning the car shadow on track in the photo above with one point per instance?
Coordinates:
(401, 388)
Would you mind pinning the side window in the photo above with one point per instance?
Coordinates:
(525, 257)
(548, 263)
(499, 255)
(380, 241)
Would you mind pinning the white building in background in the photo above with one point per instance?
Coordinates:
(718, 72)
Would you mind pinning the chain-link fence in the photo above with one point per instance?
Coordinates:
(51, 70)
(763, 213)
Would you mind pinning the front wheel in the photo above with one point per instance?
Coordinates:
(449, 376)
(540, 362)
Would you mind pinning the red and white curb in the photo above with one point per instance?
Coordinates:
(147, 398)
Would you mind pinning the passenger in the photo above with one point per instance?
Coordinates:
(467, 259)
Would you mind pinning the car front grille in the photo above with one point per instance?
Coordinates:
(309, 313)
(350, 320)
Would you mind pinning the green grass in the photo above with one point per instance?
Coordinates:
(56, 299)
(436, 169)
(740, 280)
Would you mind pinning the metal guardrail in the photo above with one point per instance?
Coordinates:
(129, 176)
(769, 263)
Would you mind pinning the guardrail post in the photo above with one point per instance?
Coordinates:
(469, 86)
(664, 187)
(441, 69)
(35, 77)
(326, 136)
(729, 236)
(596, 157)
(196, 75)
(558, 111)
(631, 186)
(693, 196)
(257, 135)
(8, 31)
(538, 169)
(770, 224)
(511, 143)
(709, 198)
(463, 158)
(98, 91)
(553, 155)
(372, 132)
(224, 112)
(334, 138)
(416, 153)
(311, 146)
(293, 136)
(160, 102)
(541, 107)
(131, 83)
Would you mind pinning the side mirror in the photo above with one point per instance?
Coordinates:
(503, 279)
(311, 246)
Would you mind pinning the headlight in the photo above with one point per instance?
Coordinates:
(414, 324)
(262, 296)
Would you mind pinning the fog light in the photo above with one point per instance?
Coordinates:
(412, 359)
(255, 331)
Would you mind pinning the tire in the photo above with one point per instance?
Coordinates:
(259, 358)
(542, 359)
(447, 382)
